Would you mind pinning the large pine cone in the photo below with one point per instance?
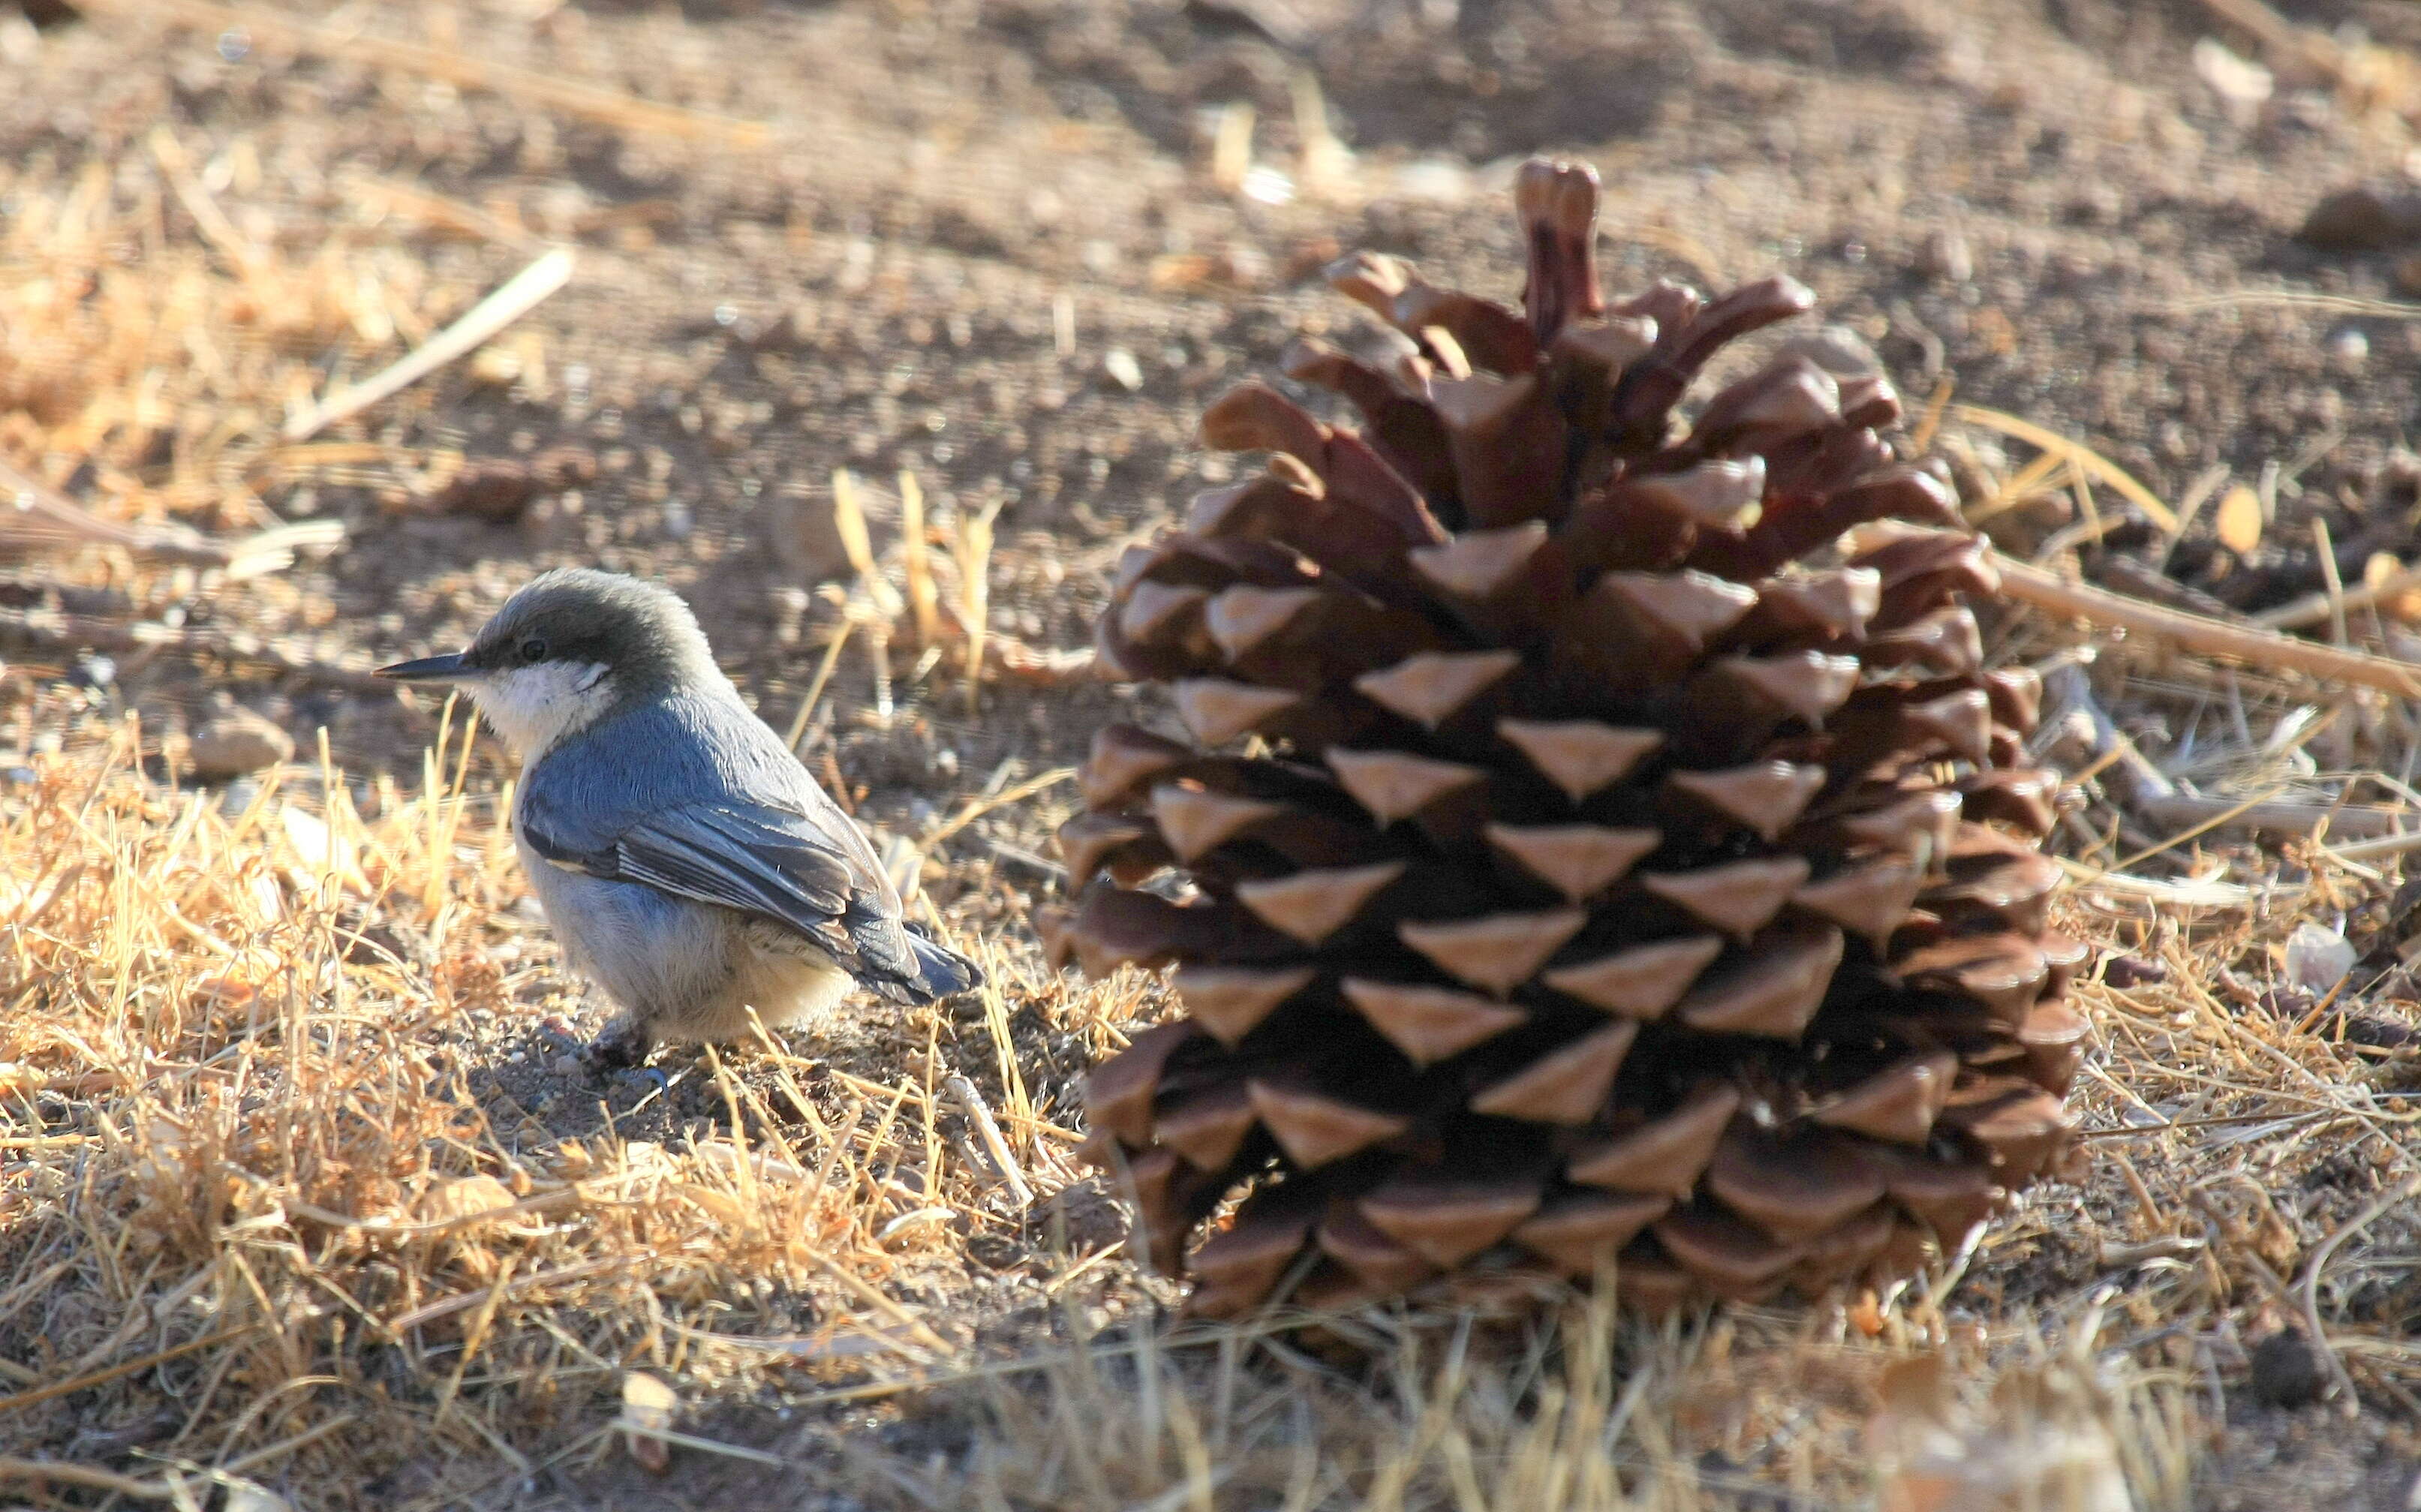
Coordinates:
(1587, 861)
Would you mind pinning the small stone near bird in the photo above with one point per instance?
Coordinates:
(237, 743)
(2286, 1371)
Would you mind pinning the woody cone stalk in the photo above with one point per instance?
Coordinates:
(1591, 859)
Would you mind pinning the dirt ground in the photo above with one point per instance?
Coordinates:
(993, 245)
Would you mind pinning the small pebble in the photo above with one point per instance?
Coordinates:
(2362, 219)
(2349, 349)
(1945, 256)
(1122, 368)
(2123, 972)
(237, 743)
(2286, 1371)
(566, 1066)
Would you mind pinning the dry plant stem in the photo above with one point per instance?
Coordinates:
(44, 517)
(2362, 822)
(2260, 648)
(2083, 459)
(2336, 586)
(988, 1131)
(2313, 608)
(572, 95)
(521, 294)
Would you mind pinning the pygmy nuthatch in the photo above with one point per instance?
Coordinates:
(687, 863)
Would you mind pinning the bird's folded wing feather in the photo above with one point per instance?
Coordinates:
(770, 862)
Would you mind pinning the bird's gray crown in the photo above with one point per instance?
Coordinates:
(642, 633)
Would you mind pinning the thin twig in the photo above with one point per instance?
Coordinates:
(2260, 648)
(519, 295)
(2083, 459)
(971, 1099)
(44, 517)
(2312, 608)
(2311, 1284)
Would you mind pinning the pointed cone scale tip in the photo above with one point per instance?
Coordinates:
(1576, 859)
(1209, 1128)
(1664, 1156)
(1962, 721)
(1495, 954)
(1946, 643)
(1729, 1254)
(1581, 1231)
(1739, 897)
(1918, 827)
(1118, 1094)
(1606, 345)
(1479, 563)
(1090, 839)
(1837, 603)
(1122, 760)
(1687, 609)
(1719, 495)
(1429, 1023)
(1448, 1222)
(1434, 686)
(2017, 695)
(1580, 756)
(1253, 416)
(1310, 906)
(1369, 1252)
(1566, 1086)
(1898, 1103)
(1315, 1128)
(1806, 685)
(1481, 403)
(1218, 710)
(1393, 785)
(1243, 619)
(1232, 1000)
(1949, 1197)
(2006, 972)
(1838, 1253)
(1154, 611)
(1641, 981)
(1870, 899)
(1253, 1254)
(2023, 1128)
(1793, 1190)
(1766, 797)
(2053, 1035)
(1773, 993)
(1195, 822)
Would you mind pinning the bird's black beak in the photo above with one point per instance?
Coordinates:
(447, 668)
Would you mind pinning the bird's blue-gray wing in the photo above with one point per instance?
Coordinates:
(704, 803)
(758, 861)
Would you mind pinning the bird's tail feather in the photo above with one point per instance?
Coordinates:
(942, 972)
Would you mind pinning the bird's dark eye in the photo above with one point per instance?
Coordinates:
(534, 649)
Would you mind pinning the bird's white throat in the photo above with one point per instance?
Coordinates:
(535, 707)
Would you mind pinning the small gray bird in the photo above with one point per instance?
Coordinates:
(688, 864)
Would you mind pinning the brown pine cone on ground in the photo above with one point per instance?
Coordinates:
(1588, 857)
